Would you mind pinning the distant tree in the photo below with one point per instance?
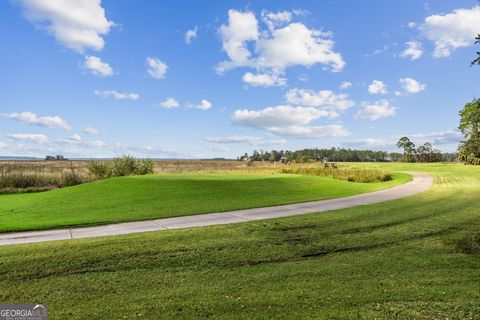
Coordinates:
(477, 60)
(55, 158)
(408, 149)
(469, 150)
(426, 153)
(423, 152)
(340, 155)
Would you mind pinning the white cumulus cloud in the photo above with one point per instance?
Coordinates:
(32, 119)
(319, 99)
(281, 45)
(78, 25)
(75, 137)
(453, 30)
(190, 35)
(97, 67)
(156, 68)
(117, 95)
(345, 85)
(242, 27)
(203, 105)
(277, 19)
(289, 121)
(37, 138)
(279, 116)
(169, 103)
(376, 110)
(377, 87)
(410, 85)
(413, 50)
(264, 79)
(92, 130)
(311, 132)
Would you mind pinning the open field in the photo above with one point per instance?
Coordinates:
(158, 196)
(412, 258)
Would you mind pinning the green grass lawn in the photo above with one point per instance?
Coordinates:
(414, 258)
(148, 197)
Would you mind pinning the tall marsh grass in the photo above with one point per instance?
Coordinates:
(18, 177)
(363, 175)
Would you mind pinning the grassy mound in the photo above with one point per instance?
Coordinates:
(147, 197)
(403, 259)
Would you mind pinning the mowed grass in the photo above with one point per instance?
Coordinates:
(414, 258)
(159, 196)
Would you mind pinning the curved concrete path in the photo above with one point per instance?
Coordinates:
(419, 183)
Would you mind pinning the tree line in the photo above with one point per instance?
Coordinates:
(342, 155)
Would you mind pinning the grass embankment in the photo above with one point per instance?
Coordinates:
(415, 258)
(148, 197)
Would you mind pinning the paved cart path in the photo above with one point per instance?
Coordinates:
(419, 183)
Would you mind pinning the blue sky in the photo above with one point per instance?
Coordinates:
(192, 79)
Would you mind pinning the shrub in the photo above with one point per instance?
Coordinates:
(71, 179)
(144, 166)
(119, 167)
(123, 166)
(100, 169)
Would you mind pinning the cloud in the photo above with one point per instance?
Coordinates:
(3, 145)
(78, 25)
(274, 20)
(411, 85)
(371, 143)
(413, 50)
(32, 119)
(440, 138)
(75, 137)
(311, 132)
(156, 68)
(319, 99)
(77, 140)
(97, 67)
(289, 121)
(169, 103)
(264, 79)
(244, 139)
(242, 27)
(92, 130)
(117, 95)
(279, 116)
(453, 30)
(190, 35)
(376, 110)
(204, 105)
(377, 87)
(345, 85)
(295, 44)
(37, 138)
(278, 47)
